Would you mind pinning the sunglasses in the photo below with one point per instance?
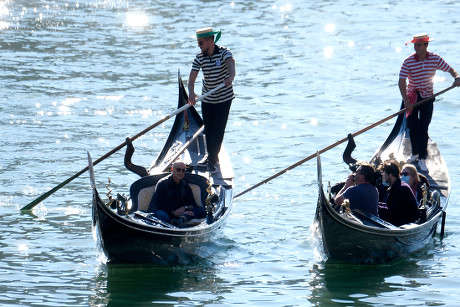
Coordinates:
(421, 44)
(202, 42)
(405, 174)
(178, 169)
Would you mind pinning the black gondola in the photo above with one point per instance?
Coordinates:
(126, 233)
(359, 237)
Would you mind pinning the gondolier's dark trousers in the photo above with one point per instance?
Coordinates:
(215, 116)
(418, 123)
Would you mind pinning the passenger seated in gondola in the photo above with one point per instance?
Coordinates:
(415, 181)
(173, 200)
(401, 206)
(360, 190)
(382, 185)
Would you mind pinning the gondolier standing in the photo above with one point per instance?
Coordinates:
(420, 68)
(218, 66)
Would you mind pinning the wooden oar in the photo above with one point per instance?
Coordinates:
(338, 143)
(184, 147)
(183, 108)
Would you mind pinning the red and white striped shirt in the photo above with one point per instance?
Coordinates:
(421, 73)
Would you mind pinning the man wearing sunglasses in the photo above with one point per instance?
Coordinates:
(420, 68)
(173, 200)
(218, 67)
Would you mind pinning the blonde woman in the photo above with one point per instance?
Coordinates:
(415, 180)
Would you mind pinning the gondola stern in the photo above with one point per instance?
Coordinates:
(183, 96)
(321, 202)
(96, 199)
(319, 170)
(182, 122)
(322, 199)
(91, 171)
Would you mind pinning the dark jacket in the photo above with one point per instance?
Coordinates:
(401, 207)
(170, 196)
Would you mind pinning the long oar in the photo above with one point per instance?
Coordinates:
(337, 143)
(183, 108)
(184, 147)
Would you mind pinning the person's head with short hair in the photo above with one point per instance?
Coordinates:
(365, 173)
(420, 42)
(391, 170)
(205, 38)
(422, 38)
(178, 171)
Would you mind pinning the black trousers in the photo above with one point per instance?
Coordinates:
(418, 123)
(215, 116)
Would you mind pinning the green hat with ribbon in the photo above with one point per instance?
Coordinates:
(207, 32)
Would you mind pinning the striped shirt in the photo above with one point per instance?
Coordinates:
(215, 71)
(421, 73)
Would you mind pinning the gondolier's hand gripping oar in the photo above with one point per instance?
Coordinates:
(47, 194)
(210, 92)
(338, 142)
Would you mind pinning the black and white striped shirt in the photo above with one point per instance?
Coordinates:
(215, 71)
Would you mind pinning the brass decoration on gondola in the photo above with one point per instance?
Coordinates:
(211, 199)
(108, 188)
(347, 212)
(186, 121)
(425, 195)
(423, 207)
(346, 207)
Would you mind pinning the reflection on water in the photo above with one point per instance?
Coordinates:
(353, 284)
(337, 282)
(142, 285)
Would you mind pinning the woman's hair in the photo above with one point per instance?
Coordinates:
(412, 171)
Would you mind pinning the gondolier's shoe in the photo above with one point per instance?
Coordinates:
(422, 165)
(204, 161)
(412, 158)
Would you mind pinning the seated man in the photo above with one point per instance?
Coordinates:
(401, 207)
(359, 189)
(173, 200)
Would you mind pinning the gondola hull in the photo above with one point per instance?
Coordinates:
(358, 237)
(135, 239)
(126, 233)
(346, 240)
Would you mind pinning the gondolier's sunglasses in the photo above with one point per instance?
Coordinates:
(180, 169)
(201, 42)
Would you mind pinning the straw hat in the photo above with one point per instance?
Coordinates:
(420, 38)
(207, 32)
